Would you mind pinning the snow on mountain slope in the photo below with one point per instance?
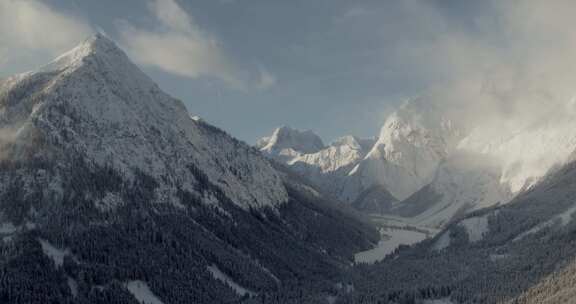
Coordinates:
(429, 166)
(529, 152)
(286, 138)
(93, 99)
(107, 183)
(411, 145)
(391, 239)
(463, 183)
(340, 154)
(142, 293)
(489, 166)
(327, 167)
(476, 227)
(487, 256)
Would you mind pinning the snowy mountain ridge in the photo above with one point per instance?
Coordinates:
(110, 189)
(430, 168)
(328, 167)
(93, 99)
(411, 144)
(286, 138)
(403, 158)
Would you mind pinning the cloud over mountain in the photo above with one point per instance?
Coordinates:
(178, 45)
(33, 26)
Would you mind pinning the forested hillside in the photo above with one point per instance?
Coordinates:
(490, 256)
(111, 193)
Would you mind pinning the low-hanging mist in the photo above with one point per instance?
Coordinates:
(507, 80)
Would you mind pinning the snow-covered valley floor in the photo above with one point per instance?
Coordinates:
(393, 233)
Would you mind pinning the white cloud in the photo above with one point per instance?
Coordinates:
(32, 26)
(184, 54)
(178, 45)
(170, 14)
(266, 79)
(515, 69)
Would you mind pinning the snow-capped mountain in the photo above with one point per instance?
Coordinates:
(492, 163)
(328, 167)
(286, 140)
(85, 101)
(110, 190)
(411, 145)
(428, 167)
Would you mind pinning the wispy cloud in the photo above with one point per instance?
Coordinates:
(176, 44)
(265, 80)
(31, 26)
(515, 67)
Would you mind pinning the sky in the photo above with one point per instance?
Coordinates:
(337, 67)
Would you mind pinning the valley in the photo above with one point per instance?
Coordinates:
(113, 191)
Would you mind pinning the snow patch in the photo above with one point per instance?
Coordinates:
(7, 228)
(331, 299)
(73, 285)
(533, 230)
(57, 255)
(476, 227)
(563, 218)
(566, 216)
(109, 202)
(267, 271)
(391, 238)
(224, 278)
(443, 241)
(142, 293)
(30, 225)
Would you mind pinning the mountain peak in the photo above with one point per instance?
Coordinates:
(100, 41)
(97, 46)
(96, 102)
(285, 137)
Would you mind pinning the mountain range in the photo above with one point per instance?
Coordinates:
(112, 192)
(425, 167)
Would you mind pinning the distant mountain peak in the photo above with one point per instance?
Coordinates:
(364, 144)
(285, 137)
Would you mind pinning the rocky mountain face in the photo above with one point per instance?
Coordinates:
(327, 167)
(110, 190)
(410, 147)
(427, 168)
(290, 141)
